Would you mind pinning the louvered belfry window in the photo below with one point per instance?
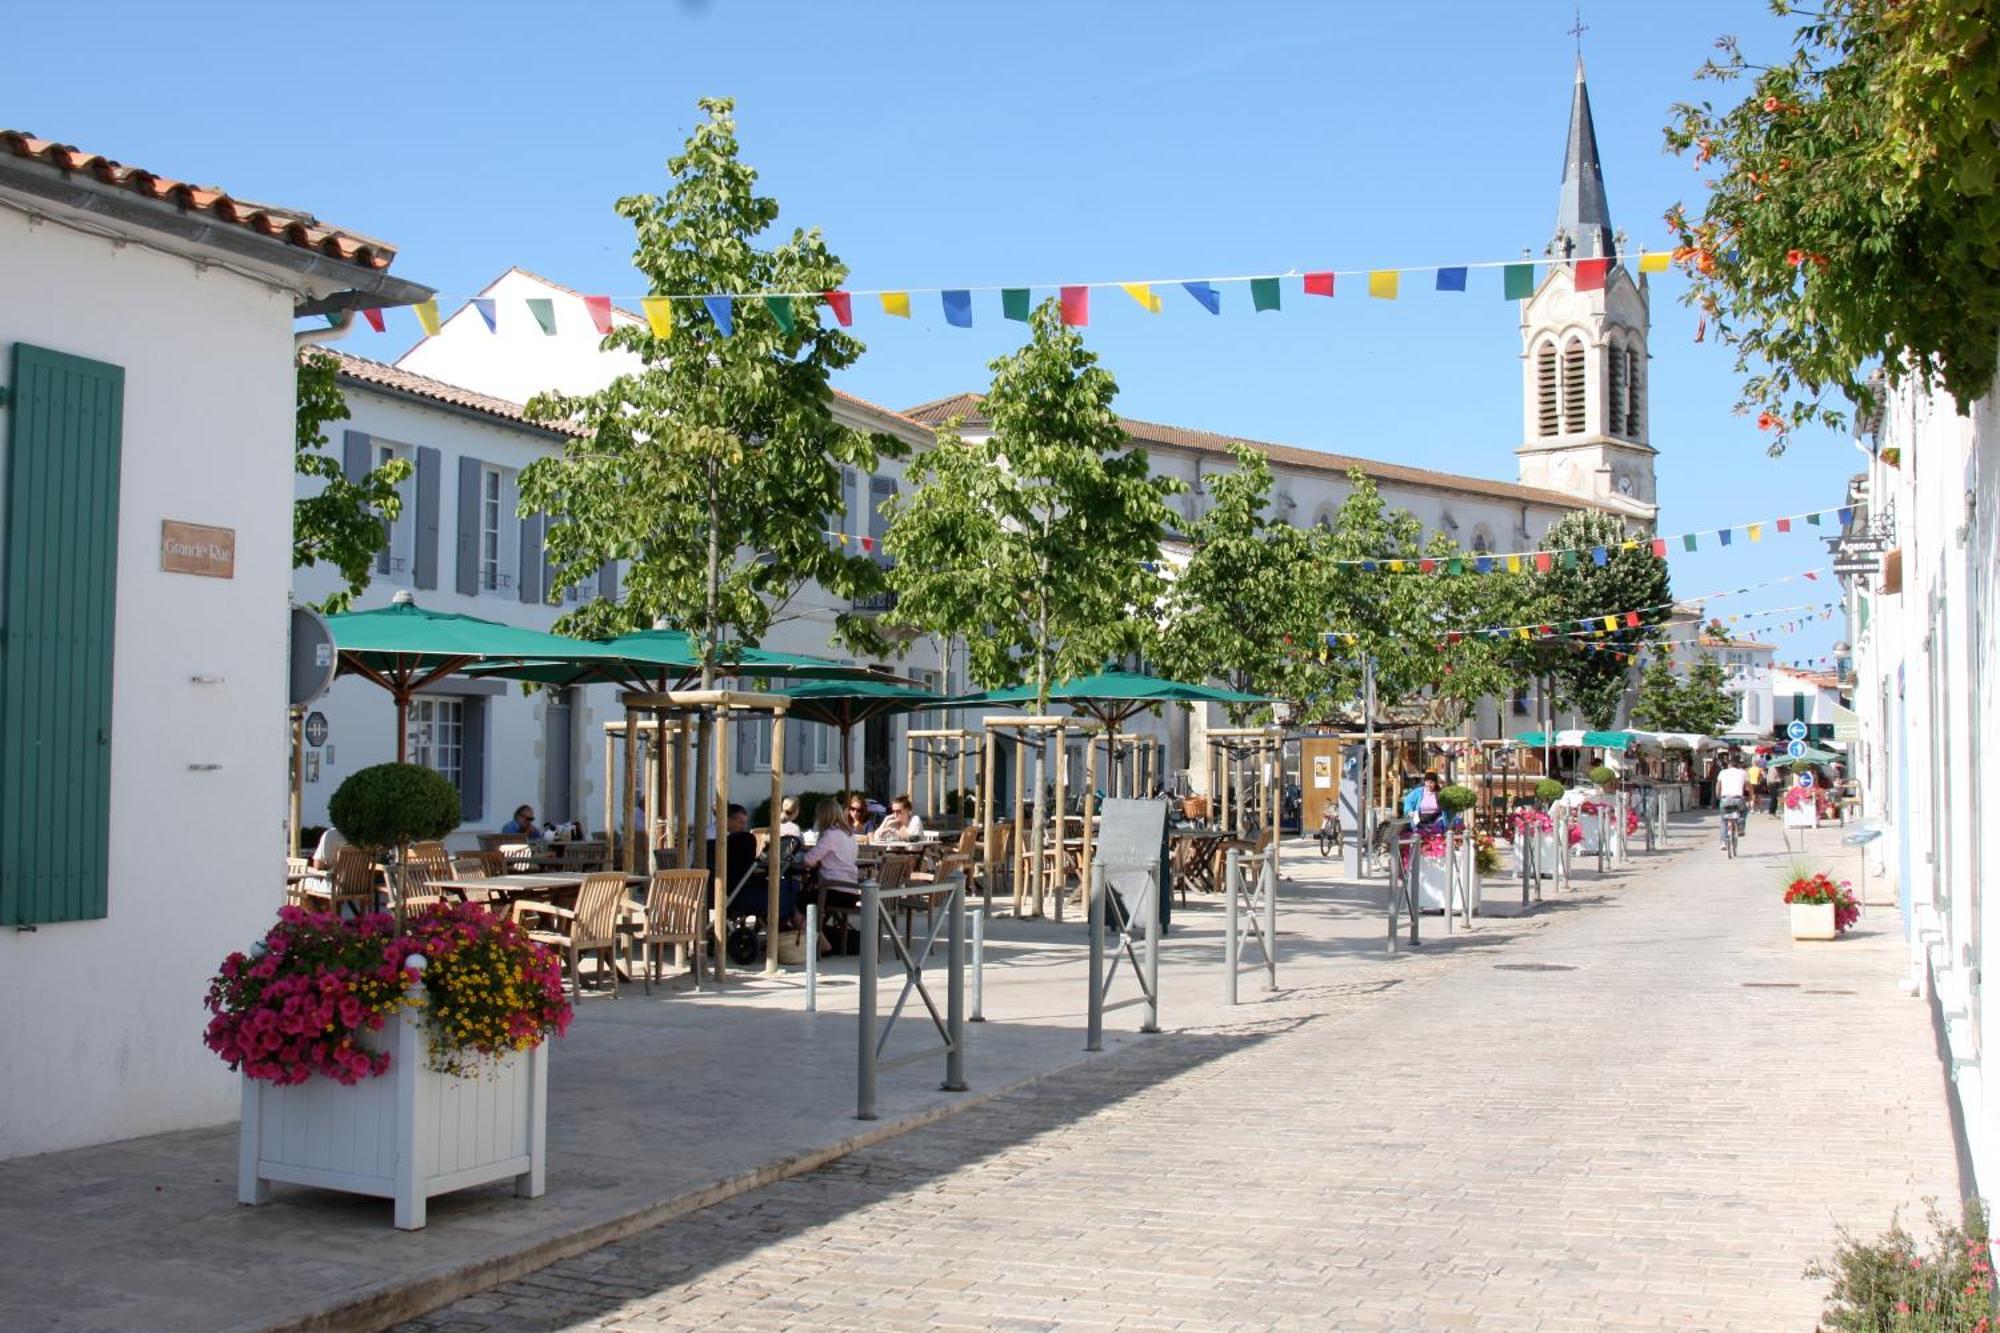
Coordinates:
(1615, 391)
(1573, 380)
(1635, 416)
(1547, 412)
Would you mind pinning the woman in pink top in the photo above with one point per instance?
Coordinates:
(834, 851)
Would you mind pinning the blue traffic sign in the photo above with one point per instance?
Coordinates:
(1805, 779)
(1797, 749)
(1797, 731)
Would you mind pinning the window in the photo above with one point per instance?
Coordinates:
(1750, 710)
(1573, 381)
(1547, 416)
(489, 530)
(394, 560)
(825, 751)
(1482, 541)
(1521, 701)
(437, 737)
(1617, 408)
(1635, 363)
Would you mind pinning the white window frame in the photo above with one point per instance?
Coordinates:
(397, 562)
(825, 753)
(499, 499)
(437, 736)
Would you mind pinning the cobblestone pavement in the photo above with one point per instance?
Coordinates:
(1653, 1112)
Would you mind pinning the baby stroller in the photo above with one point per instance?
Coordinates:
(749, 900)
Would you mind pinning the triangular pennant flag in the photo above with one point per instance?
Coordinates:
(1368, 566)
(1812, 576)
(600, 312)
(1382, 283)
(1205, 293)
(1264, 294)
(1076, 306)
(1454, 566)
(1395, 566)
(1544, 562)
(427, 315)
(1659, 548)
(1523, 631)
(659, 315)
(1654, 263)
(1144, 294)
(1784, 525)
(896, 303)
(487, 310)
(1014, 303)
(868, 543)
(1600, 557)
(1688, 542)
(781, 310)
(375, 320)
(1519, 280)
(544, 311)
(842, 305)
(1813, 519)
(722, 312)
(957, 308)
(1756, 531)
(1451, 280)
(1319, 284)
(1590, 274)
(843, 540)
(1725, 535)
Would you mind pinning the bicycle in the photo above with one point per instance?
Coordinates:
(1330, 839)
(1732, 827)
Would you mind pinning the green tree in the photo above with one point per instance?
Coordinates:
(1575, 596)
(1040, 542)
(1853, 219)
(1243, 609)
(713, 469)
(1696, 702)
(345, 521)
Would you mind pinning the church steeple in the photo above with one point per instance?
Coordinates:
(1583, 217)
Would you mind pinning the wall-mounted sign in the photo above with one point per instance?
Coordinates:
(194, 548)
(316, 728)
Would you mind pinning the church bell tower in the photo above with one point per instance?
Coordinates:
(1584, 363)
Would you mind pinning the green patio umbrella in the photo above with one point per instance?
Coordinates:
(664, 659)
(1111, 696)
(847, 703)
(403, 647)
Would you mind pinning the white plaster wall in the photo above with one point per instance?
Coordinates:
(106, 1037)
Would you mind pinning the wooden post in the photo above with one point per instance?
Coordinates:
(989, 818)
(720, 746)
(684, 795)
(958, 785)
(771, 858)
(631, 779)
(610, 786)
(657, 811)
(1018, 853)
(909, 765)
(1053, 864)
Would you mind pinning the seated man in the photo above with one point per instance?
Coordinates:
(739, 858)
(522, 825)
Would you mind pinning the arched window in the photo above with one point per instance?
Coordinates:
(1547, 414)
(1573, 382)
(1635, 370)
(1482, 541)
(1614, 383)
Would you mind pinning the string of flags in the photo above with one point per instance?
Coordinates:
(1517, 282)
(1543, 561)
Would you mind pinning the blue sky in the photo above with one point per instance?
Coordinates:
(969, 144)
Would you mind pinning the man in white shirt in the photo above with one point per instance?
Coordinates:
(1730, 784)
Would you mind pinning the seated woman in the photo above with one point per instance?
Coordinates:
(901, 824)
(857, 814)
(1420, 804)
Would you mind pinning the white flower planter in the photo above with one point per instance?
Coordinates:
(1803, 816)
(1433, 882)
(1812, 921)
(406, 1135)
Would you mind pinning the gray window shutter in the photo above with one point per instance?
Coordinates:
(534, 558)
(468, 525)
(746, 741)
(354, 455)
(428, 468)
(798, 747)
(607, 581)
(880, 491)
(472, 758)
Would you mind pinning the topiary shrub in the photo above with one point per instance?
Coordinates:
(1548, 791)
(388, 805)
(1457, 799)
(1604, 776)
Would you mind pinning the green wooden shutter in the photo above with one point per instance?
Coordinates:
(58, 582)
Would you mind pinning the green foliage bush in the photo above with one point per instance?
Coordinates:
(387, 805)
(1456, 799)
(1887, 1283)
(1604, 775)
(1548, 791)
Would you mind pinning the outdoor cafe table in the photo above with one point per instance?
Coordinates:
(1198, 847)
(510, 888)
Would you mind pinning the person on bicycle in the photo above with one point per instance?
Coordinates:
(1731, 783)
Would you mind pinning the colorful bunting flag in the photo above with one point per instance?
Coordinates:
(427, 315)
(1590, 274)
(722, 312)
(1600, 557)
(1451, 280)
(897, 304)
(659, 315)
(1813, 519)
(1756, 531)
(1654, 262)
(1484, 564)
(1659, 548)
(1688, 542)
(1014, 303)
(600, 312)
(1569, 559)
(1382, 283)
(1611, 622)
(1076, 306)
(842, 305)
(544, 311)
(957, 308)
(1319, 284)
(487, 311)
(375, 320)
(1205, 293)
(1520, 281)
(1264, 294)
(781, 310)
(1784, 525)
(1427, 566)
(1455, 565)
(1725, 535)
(1144, 294)
(1846, 516)
(1513, 564)
(1543, 562)
(1632, 620)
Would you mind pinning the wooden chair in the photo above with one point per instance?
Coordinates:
(478, 865)
(427, 862)
(593, 927)
(584, 857)
(350, 887)
(297, 891)
(672, 912)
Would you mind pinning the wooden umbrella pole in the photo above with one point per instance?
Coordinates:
(402, 727)
(718, 871)
(772, 848)
(630, 788)
(610, 824)
(1058, 878)
(684, 795)
(660, 817)
(1018, 854)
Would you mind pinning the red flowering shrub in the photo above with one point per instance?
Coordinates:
(1527, 823)
(1819, 887)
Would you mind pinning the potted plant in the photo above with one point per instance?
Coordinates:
(1548, 791)
(395, 1062)
(1801, 807)
(1821, 907)
(1433, 869)
(393, 805)
(1605, 776)
(1537, 827)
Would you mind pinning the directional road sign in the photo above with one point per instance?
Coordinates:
(1797, 749)
(1796, 731)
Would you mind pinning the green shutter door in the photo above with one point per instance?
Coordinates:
(58, 586)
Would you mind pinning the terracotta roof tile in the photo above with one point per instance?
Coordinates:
(286, 224)
(361, 370)
(967, 405)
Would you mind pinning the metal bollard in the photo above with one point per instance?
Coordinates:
(812, 958)
(1093, 1033)
(978, 965)
(1271, 919)
(1232, 953)
(871, 947)
(954, 1060)
(1152, 1023)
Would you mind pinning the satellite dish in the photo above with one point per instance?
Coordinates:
(314, 657)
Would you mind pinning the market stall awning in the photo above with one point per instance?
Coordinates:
(1572, 737)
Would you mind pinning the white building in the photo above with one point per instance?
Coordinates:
(1811, 697)
(1748, 669)
(1925, 631)
(144, 587)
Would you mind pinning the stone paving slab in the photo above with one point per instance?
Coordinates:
(657, 1106)
(1651, 1113)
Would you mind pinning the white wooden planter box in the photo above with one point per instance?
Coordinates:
(1433, 882)
(406, 1135)
(1804, 816)
(1812, 921)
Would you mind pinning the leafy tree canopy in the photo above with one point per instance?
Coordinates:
(1698, 701)
(344, 521)
(1578, 589)
(1853, 218)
